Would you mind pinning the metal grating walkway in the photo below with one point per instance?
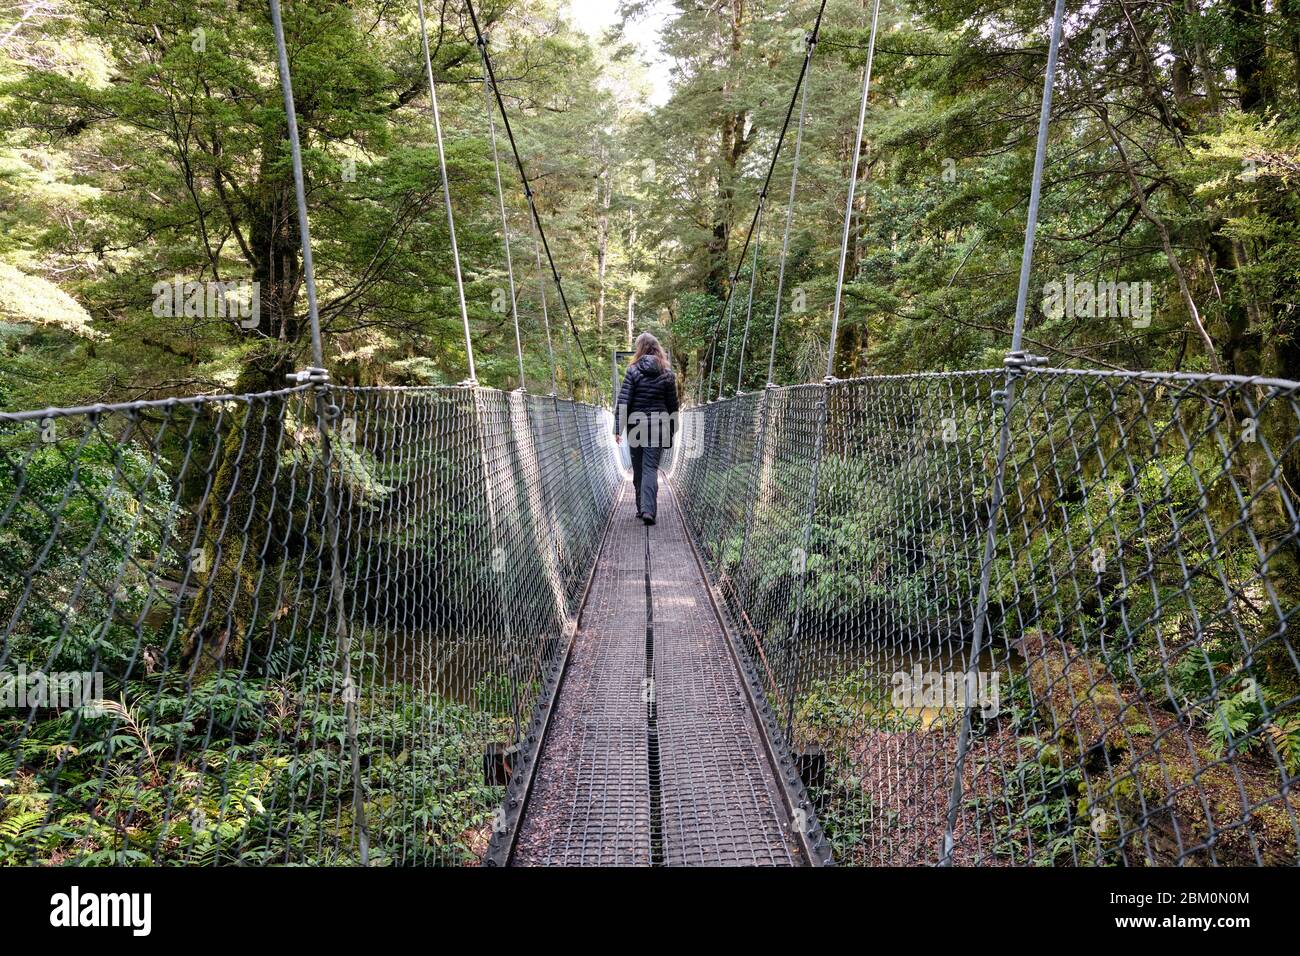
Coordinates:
(637, 773)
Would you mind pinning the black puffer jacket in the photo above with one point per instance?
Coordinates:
(646, 389)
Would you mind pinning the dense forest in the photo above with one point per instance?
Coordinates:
(145, 143)
(150, 248)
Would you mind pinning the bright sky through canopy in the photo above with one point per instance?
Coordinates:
(595, 16)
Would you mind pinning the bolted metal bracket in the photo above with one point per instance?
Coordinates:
(311, 375)
(1018, 361)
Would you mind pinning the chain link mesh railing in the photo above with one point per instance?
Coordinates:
(227, 641)
(1136, 695)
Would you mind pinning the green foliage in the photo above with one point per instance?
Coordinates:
(92, 518)
(1042, 829)
(116, 175)
(1231, 719)
(949, 145)
(131, 154)
(149, 780)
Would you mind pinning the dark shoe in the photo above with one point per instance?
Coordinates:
(640, 515)
(648, 519)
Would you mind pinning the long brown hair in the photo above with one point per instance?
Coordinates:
(647, 344)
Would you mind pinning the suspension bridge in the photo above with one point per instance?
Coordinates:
(1012, 616)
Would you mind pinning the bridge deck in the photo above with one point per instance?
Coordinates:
(635, 773)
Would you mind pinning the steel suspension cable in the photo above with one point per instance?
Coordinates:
(300, 191)
(326, 413)
(1015, 362)
(853, 186)
(446, 193)
(767, 179)
(811, 40)
(760, 440)
(528, 189)
(722, 374)
(1036, 187)
(505, 224)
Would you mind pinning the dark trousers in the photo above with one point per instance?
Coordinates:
(645, 478)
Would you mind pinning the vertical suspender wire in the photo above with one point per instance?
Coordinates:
(707, 381)
(744, 339)
(325, 413)
(726, 342)
(767, 181)
(528, 190)
(814, 486)
(1035, 192)
(749, 305)
(1015, 367)
(552, 510)
(789, 211)
(734, 413)
(541, 291)
(765, 411)
(501, 202)
(446, 194)
(300, 191)
(823, 405)
(853, 188)
(480, 411)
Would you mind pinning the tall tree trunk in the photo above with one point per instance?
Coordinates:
(631, 317)
(1208, 73)
(733, 144)
(1247, 18)
(603, 191)
(240, 533)
(275, 243)
(851, 340)
(1290, 10)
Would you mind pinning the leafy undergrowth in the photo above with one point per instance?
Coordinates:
(248, 772)
(1077, 768)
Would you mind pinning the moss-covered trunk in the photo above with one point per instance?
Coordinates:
(239, 529)
(1151, 779)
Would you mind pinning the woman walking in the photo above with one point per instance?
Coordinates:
(647, 408)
